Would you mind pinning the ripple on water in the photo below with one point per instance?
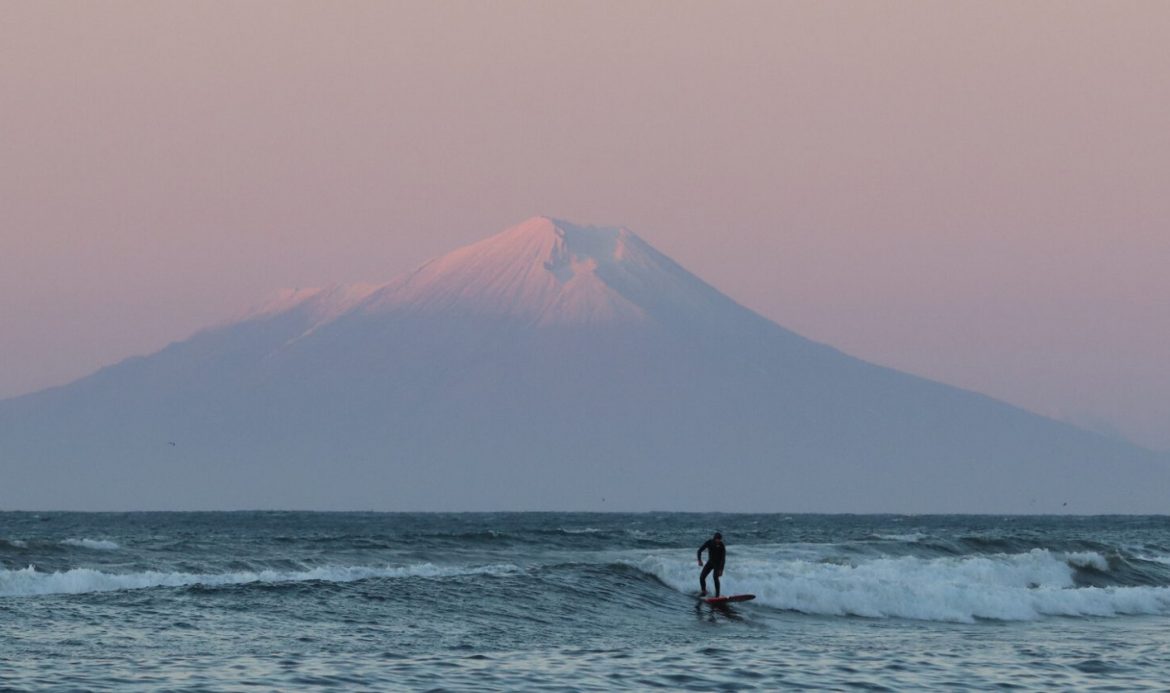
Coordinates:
(1098, 666)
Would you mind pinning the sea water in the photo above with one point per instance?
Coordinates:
(564, 601)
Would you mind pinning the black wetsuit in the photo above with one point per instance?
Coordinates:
(716, 555)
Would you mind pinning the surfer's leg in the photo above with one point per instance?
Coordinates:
(703, 579)
(715, 577)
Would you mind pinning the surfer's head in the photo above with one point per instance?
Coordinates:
(719, 536)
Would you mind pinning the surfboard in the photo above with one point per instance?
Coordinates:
(728, 598)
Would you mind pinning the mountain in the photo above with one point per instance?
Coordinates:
(551, 366)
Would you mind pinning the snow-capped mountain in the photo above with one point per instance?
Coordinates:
(551, 366)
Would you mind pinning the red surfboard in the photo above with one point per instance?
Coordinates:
(728, 598)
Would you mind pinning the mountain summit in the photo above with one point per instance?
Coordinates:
(551, 366)
(543, 271)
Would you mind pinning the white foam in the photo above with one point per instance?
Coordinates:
(1008, 587)
(1088, 559)
(30, 582)
(95, 544)
(912, 538)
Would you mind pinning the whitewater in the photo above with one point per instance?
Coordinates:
(574, 601)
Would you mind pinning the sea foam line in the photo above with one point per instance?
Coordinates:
(29, 582)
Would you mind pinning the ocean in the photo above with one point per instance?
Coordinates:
(580, 602)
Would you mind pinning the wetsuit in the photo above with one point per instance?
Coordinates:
(716, 554)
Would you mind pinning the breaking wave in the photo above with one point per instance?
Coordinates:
(95, 544)
(31, 582)
(1006, 587)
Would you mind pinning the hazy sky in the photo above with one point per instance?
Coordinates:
(977, 192)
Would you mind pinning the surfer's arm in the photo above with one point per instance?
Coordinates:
(700, 554)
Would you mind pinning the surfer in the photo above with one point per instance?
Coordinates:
(716, 554)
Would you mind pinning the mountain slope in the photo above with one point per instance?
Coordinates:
(551, 366)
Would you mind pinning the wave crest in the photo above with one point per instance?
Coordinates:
(30, 582)
(95, 544)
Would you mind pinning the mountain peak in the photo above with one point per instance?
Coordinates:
(544, 270)
(541, 272)
(561, 247)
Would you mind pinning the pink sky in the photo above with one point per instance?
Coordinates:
(977, 192)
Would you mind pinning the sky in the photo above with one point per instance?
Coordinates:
(975, 192)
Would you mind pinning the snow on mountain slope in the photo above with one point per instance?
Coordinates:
(541, 272)
(316, 306)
